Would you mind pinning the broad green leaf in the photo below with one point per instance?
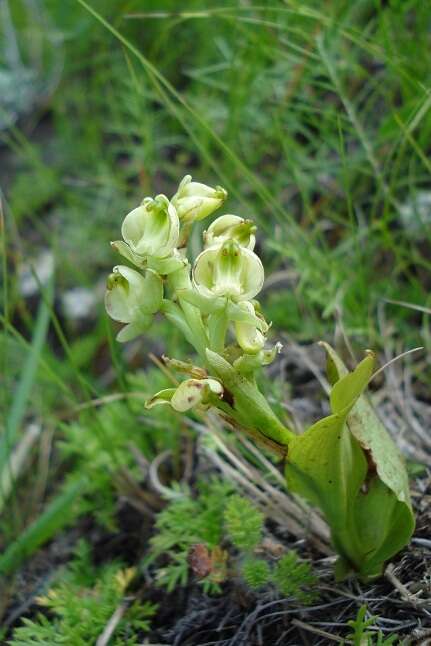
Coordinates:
(345, 464)
(347, 390)
(325, 464)
(327, 467)
(367, 428)
(383, 525)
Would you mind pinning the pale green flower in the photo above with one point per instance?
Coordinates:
(152, 229)
(231, 227)
(231, 271)
(189, 393)
(133, 298)
(195, 201)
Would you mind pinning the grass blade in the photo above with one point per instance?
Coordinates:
(59, 513)
(28, 375)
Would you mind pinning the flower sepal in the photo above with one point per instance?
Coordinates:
(162, 398)
(133, 330)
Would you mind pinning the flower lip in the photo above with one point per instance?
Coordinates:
(230, 270)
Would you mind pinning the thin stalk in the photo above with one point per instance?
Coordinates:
(196, 335)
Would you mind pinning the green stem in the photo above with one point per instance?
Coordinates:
(217, 327)
(176, 316)
(197, 330)
(250, 406)
(196, 334)
(276, 436)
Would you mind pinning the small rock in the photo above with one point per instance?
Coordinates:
(34, 272)
(416, 213)
(78, 303)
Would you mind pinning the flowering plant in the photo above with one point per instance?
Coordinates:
(346, 464)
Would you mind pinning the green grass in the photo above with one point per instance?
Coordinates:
(316, 118)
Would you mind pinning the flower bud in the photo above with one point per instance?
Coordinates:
(132, 298)
(152, 229)
(250, 338)
(231, 271)
(189, 393)
(231, 227)
(194, 201)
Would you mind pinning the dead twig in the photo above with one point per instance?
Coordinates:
(317, 631)
(111, 626)
(404, 592)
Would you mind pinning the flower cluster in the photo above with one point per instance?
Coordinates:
(212, 303)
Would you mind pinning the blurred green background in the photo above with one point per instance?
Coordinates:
(315, 116)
